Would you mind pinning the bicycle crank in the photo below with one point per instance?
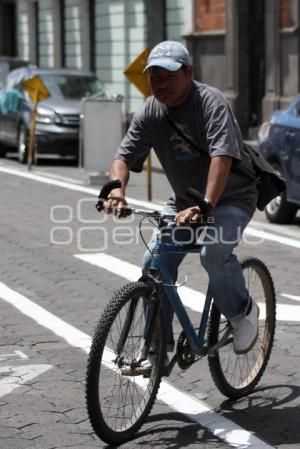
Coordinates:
(185, 357)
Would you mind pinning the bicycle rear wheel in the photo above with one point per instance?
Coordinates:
(118, 399)
(237, 375)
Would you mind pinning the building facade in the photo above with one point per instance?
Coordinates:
(247, 48)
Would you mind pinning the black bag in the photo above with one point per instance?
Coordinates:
(269, 182)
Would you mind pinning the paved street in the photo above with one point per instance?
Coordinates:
(52, 293)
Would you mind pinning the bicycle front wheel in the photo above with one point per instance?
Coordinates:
(237, 375)
(118, 397)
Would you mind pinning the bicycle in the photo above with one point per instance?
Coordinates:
(118, 397)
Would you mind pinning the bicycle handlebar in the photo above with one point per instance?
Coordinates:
(206, 209)
(105, 191)
(104, 194)
(126, 211)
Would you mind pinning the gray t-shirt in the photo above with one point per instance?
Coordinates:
(205, 111)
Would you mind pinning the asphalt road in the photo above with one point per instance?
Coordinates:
(48, 231)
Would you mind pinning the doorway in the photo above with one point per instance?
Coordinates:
(8, 29)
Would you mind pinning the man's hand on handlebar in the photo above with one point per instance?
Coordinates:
(191, 214)
(115, 203)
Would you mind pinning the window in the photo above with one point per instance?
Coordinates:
(71, 87)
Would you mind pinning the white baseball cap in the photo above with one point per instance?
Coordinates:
(169, 55)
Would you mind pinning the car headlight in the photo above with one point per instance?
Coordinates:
(45, 115)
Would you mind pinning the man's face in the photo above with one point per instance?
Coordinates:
(170, 88)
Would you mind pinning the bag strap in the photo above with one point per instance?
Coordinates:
(181, 133)
(235, 168)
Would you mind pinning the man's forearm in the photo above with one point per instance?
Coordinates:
(217, 178)
(119, 170)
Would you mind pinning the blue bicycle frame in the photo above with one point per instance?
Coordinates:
(195, 340)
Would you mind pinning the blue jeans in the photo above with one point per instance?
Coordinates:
(225, 274)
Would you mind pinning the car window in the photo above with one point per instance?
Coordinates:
(71, 87)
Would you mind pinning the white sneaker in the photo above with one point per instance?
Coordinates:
(245, 330)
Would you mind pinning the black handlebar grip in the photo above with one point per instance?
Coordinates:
(108, 187)
(105, 191)
(206, 209)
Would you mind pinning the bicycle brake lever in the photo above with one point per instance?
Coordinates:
(125, 212)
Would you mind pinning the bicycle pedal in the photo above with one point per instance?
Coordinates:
(138, 371)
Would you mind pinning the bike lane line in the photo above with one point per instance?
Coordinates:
(193, 299)
(292, 297)
(254, 232)
(195, 409)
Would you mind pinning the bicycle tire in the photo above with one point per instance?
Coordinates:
(237, 375)
(114, 415)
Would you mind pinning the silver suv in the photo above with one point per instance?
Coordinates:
(57, 121)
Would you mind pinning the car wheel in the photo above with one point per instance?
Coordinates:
(279, 210)
(22, 145)
(2, 150)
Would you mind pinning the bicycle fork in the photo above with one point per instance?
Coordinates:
(151, 311)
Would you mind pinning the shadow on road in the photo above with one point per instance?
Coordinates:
(268, 413)
(170, 430)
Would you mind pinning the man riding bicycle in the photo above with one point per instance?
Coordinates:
(197, 140)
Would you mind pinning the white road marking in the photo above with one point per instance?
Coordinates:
(16, 353)
(193, 299)
(59, 177)
(293, 297)
(19, 375)
(273, 237)
(265, 226)
(197, 410)
(73, 336)
(218, 425)
(21, 354)
(294, 243)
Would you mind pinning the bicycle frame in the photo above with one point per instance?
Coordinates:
(195, 340)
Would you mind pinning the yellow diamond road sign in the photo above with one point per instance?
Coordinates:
(134, 73)
(36, 89)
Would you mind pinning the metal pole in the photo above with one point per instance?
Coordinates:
(32, 130)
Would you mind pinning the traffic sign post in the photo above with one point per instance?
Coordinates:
(37, 91)
(135, 74)
(32, 130)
